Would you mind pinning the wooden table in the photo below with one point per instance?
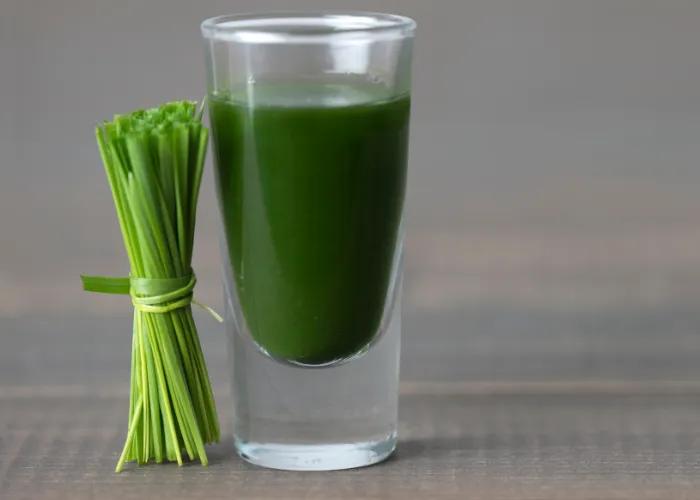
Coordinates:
(537, 427)
(460, 445)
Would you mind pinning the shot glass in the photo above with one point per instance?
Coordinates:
(310, 117)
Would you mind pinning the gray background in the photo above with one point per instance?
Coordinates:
(552, 220)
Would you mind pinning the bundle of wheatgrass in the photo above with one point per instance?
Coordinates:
(154, 160)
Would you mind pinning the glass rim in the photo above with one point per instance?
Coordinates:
(306, 26)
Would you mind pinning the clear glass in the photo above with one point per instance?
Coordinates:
(310, 121)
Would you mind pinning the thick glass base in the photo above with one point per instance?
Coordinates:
(314, 419)
(322, 457)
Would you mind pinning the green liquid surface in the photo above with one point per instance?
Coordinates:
(311, 186)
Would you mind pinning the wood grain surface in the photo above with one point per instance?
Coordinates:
(502, 403)
(507, 446)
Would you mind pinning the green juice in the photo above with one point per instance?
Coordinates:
(311, 186)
